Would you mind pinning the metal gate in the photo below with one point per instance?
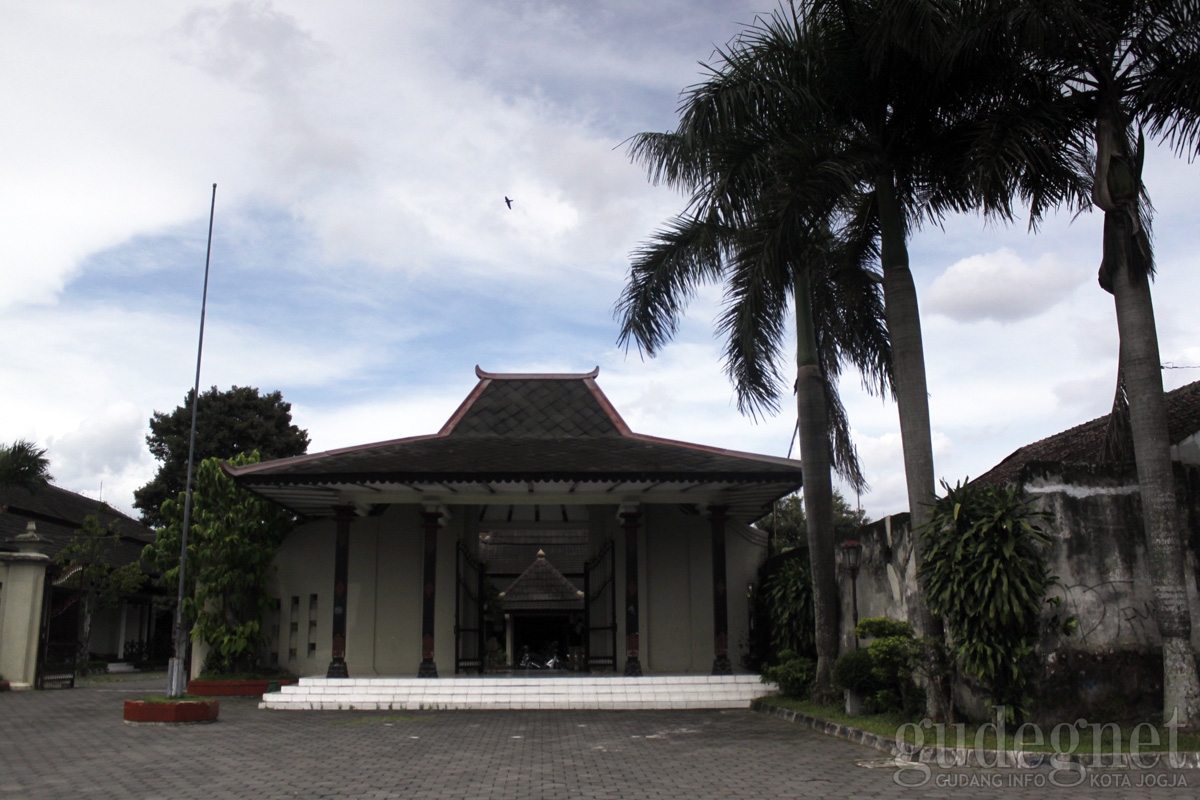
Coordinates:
(600, 610)
(468, 615)
(58, 640)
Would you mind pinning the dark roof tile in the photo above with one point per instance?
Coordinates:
(1085, 443)
(58, 513)
(541, 587)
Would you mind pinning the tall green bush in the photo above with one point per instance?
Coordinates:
(985, 573)
(788, 598)
(231, 546)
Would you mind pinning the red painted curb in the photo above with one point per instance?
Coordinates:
(237, 688)
(182, 711)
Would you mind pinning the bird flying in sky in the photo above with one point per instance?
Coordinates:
(508, 202)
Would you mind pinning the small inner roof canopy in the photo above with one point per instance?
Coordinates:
(525, 439)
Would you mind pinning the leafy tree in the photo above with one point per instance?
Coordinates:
(227, 423)
(789, 529)
(24, 465)
(87, 563)
(1124, 69)
(232, 542)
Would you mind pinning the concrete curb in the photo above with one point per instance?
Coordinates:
(971, 757)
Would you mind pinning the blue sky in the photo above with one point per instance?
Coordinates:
(364, 261)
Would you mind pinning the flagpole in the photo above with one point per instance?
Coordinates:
(176, 679)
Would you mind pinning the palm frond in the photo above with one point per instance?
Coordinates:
(24, 465)
(663, 278)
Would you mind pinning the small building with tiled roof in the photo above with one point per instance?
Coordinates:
(541, 588)
(404, 541)
(35, 527)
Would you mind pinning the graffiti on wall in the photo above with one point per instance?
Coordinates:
(1110, 613)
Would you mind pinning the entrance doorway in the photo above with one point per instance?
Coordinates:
(545, 634)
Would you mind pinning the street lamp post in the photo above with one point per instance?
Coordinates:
(852, 554)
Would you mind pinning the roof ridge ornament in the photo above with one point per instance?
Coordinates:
(514, 376)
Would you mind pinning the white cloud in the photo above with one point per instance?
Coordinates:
(378, 142)
(1001, 286)
(105, 456)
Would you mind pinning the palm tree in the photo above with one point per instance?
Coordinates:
(867, 118)
(24, 465)
(764, 261)
(1128, 68)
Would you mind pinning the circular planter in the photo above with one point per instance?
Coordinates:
(171, 712)
(235, 688)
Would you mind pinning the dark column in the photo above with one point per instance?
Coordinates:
(721, 665)
(631, 520)
(341, 570)
(428, 668)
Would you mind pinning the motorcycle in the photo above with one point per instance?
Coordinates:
(547, 660)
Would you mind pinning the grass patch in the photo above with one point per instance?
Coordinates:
(373, 719)
(104, 678)
(1110, 738)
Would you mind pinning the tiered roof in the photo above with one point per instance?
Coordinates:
(527, 439)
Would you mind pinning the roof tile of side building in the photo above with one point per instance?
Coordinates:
(1085, 443)
(58, 513)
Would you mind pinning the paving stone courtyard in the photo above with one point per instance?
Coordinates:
(73, 744)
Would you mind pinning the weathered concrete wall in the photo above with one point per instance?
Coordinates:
(677, 612)
(1098, 553)
(887, 576)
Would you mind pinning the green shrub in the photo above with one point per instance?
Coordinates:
(794, 674)
(881, 627)
(789, 606)
(881, 672)
(984, 572)
(855, 671)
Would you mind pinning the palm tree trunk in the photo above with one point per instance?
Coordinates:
(912, 403)
(813, 419)
(1141, 367)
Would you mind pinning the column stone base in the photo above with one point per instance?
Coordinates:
(722, 666)
(428, 669)
(633, 668)
(337, 669)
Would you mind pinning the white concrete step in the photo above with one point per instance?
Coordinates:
(520, 692)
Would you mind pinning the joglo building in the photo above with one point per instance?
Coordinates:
(534, 521)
